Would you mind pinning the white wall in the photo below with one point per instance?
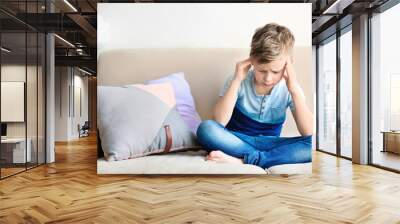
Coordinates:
(68, 80)
(61, 103)
(80, 83)
(195, 25)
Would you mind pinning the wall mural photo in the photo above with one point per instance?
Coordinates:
(205, 89)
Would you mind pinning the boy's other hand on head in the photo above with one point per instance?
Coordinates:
(242, 68)
(290, 76)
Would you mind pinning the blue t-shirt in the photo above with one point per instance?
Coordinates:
(256, 114)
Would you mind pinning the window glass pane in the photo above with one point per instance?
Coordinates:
(41, 97)
(385, 114)
(346, 93)
(31, 97)
(327, 97)
(22, 88)
(14, 150)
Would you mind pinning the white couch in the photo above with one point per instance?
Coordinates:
(206, 71)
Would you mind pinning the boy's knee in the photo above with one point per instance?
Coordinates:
(303, 154)
(207, 126)
(207, 129)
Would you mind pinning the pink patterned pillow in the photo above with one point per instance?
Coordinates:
(185, 104)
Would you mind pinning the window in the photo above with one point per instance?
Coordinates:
(22, 77)
(346, 92)
(327, 96)
(385, 89)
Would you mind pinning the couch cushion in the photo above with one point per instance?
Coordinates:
(191, 162)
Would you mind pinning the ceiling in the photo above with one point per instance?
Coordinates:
(76, 22)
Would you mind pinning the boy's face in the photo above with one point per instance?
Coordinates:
(268, 75)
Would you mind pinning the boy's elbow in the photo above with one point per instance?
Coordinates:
(309, 129)
(220, 120)
(307, 132)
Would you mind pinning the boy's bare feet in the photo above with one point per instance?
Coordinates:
(221, 157)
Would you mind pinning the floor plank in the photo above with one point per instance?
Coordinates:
(70, 191)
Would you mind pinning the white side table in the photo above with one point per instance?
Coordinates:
(18, 149)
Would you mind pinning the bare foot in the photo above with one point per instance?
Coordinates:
(221, 157)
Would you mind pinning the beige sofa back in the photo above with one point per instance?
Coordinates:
(205, 70)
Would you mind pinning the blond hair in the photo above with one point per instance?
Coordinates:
(270, 42)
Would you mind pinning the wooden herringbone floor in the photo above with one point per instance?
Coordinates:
(70, 191)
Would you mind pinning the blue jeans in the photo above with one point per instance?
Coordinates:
(263, 151)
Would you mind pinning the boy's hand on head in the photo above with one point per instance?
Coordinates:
(290, 76)
(242, 67)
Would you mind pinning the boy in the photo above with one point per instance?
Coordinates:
(249, 115)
